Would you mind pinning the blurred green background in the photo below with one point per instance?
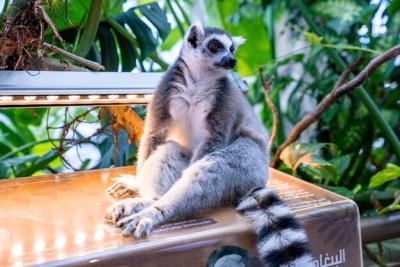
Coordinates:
(305, 45)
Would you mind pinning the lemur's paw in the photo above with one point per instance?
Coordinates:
(140, 224)
(125, 187)
(124, 208)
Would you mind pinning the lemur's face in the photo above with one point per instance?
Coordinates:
(211, 47)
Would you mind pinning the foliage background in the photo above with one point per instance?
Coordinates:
(345, 151)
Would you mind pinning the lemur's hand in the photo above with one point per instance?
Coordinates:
(125, 187)
(124, 208)
(142, 223)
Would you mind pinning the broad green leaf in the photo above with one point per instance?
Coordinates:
(77, 11)
(143, 33)
(312, 38)
(340, 163)
(108, 48)
(390, 173)
(94, 54)
(157, 17)
(112, 7)
(127, 52)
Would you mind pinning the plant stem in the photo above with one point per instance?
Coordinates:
(272, 39)
(90, 29)
(184, 14)
(22, 148)
(178, 22)
(384, 126)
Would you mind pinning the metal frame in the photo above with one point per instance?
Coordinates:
(52, 88)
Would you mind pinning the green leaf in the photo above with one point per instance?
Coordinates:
(390, 173)
(4, 170)
(38, 164)
(173, 37)
(340, 190)
(145, 38)
(112, 7)
(389, 209)
(108, 48)
(77, 10)
(342, 13)
(15, 162)
(157, 17)
(128, 53)
(24, 117)
(312, 38)
(393, 7)
(94, 54)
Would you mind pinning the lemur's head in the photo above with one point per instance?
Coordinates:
(211, 48)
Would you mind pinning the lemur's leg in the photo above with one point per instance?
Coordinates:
(161, 170)
(158, 173)
(218, 178)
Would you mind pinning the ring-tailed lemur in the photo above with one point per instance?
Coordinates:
(203, 147)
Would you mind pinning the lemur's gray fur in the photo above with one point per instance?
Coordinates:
(203, 147)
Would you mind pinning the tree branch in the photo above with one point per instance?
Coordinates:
(275, 118)
(39, 6)
(124, 117)
(376, 115)
(331, 98)
(77, 59)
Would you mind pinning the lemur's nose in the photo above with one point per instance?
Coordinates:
(228, 62)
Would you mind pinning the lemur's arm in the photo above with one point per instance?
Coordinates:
(213, 143)
(155, 130)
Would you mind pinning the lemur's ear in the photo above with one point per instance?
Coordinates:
(195, 34)
(238, 41)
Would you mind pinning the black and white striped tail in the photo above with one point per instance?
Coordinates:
(281, 239)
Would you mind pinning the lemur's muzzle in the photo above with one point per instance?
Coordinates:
(228, 62)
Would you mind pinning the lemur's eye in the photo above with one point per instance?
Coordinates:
(214, 46)
(232, 49)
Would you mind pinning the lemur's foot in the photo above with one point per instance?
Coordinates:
(125, 207)
(142, 223)
(125, 187)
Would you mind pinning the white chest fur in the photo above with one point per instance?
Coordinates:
(189, 107)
